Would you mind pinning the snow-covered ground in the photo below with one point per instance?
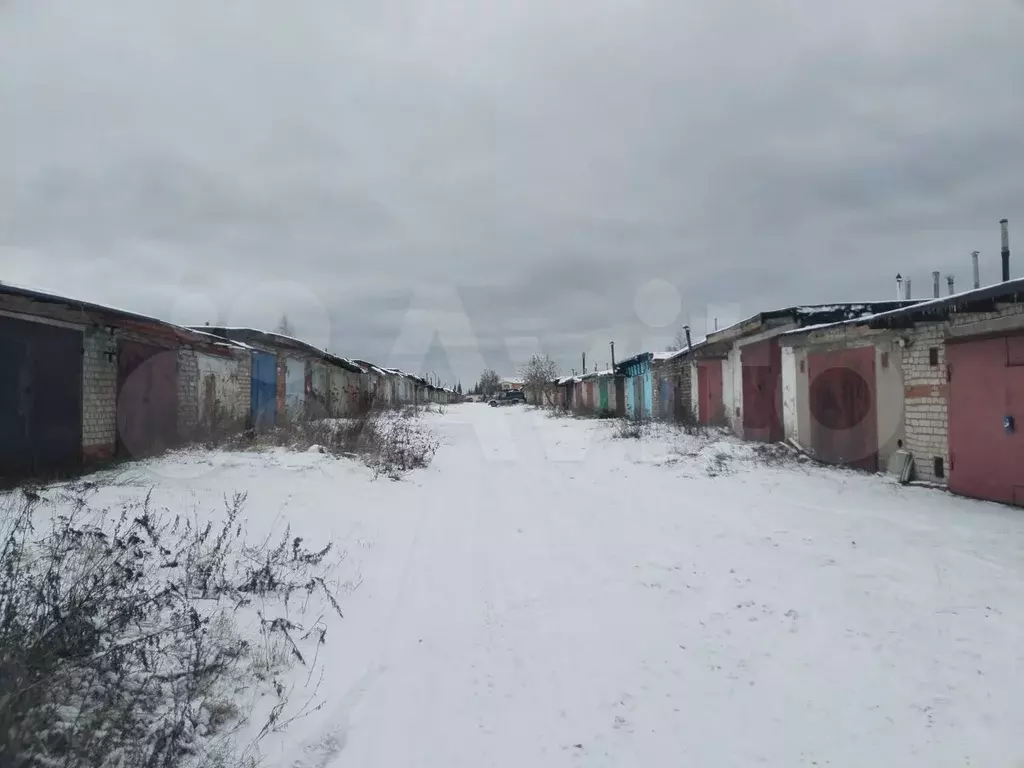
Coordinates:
(546, 595)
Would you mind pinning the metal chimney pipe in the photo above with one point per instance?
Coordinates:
(899, 286)
(908, 289)
(1004, 231)
(584, 363)
(935, 284)
(612, 345)
(949, 282)
(687, 329)
(974, 264)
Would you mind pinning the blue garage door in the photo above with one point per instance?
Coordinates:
(264, 390)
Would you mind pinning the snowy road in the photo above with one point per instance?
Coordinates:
(545, 595)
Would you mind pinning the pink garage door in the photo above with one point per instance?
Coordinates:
(986, 416)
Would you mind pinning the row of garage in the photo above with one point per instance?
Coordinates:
(934, 386)
(939, 383)
(82, 383)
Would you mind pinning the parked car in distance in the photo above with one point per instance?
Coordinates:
(509, 397)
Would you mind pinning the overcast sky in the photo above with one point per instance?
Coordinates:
(444, 184)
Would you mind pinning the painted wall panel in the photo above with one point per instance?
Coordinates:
(224, 392)
(294, 387)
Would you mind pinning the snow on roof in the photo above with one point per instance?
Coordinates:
(369, 367)
(87, 305)
(994, 292)
(567, 379)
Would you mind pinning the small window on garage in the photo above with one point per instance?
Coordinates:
(885, 359)
(933, 356)
(1015, 350)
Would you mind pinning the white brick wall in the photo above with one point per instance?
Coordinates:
(926, 389)
(99, 394)
(188, 392)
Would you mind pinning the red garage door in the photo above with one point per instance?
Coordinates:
(986, 416)
(709, 392)
(844, 422)
(762, 391)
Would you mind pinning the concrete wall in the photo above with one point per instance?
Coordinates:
(889, 395)
(99, 394)
(889, 391)
(732, 391)
(790, 383)
(694, 390)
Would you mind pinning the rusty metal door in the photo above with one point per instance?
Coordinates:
(620, 396)
(147, 399)
(40, 398)
(762, 391)
(842, 398)
(709, 392)
(986, 416)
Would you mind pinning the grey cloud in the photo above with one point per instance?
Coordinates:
(329, 159)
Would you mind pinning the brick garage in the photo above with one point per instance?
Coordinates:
(99, 394)
(925, 331)
(672, 386)
(843, 393)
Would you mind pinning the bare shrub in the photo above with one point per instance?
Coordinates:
(389, 440)
(719, 464)
(632, 429)
(118, 639)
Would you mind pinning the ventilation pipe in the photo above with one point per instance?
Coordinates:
(977, 274)
(935, 284)
(907, 296)
(949, 282)
(1004, 230)
(899, 286)
(688, 343)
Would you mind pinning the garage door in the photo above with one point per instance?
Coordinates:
(40, 398)
(986, 416)
(762, 391)
(709, 392)
(844, 421)
(147, 399)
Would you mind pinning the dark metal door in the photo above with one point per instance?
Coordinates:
(40, 398)
(762, 391)
(841, 394)
(620, 396)
(986, 387)
(264, 390)
(147, 399)
(603, 386)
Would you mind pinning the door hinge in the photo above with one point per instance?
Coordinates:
(952, 461)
